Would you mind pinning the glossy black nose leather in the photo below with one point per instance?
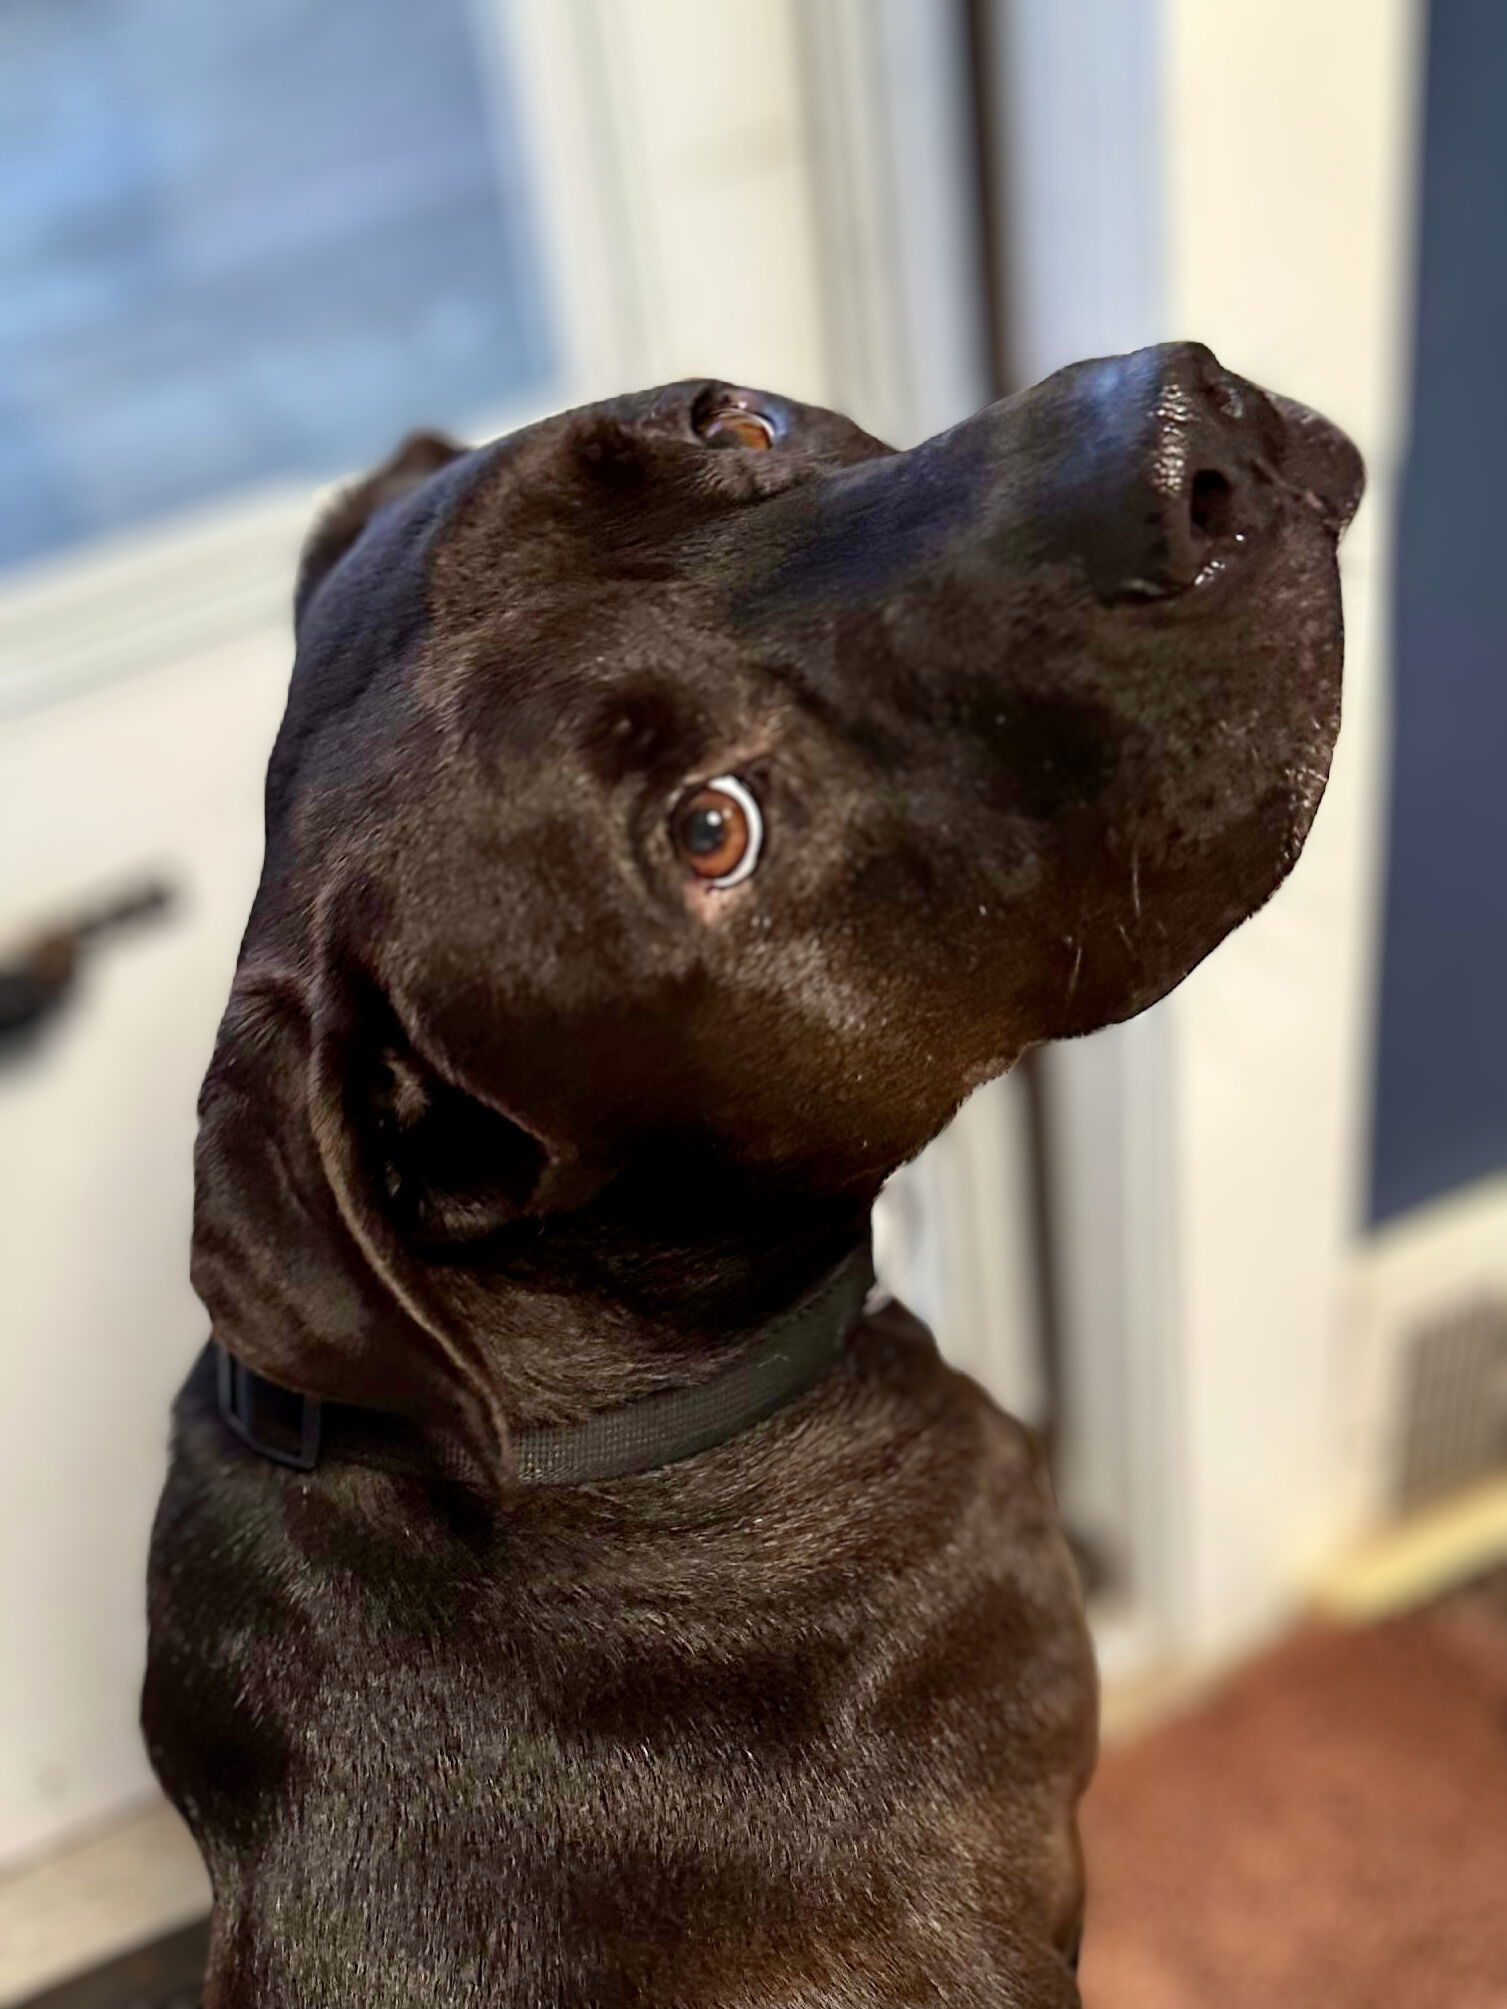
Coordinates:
(1173, 470)
(1180, 465)
(1151, 474)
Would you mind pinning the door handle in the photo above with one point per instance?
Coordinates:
(37, 978)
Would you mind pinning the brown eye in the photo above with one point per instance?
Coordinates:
(732, 425)
(718, 831)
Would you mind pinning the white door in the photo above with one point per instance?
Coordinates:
(241, 251)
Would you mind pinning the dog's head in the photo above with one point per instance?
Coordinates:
(690, 794)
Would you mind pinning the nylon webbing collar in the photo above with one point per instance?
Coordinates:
(783, 1360)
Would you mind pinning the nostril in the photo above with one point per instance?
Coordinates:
(1211, 503)
(1183, 478)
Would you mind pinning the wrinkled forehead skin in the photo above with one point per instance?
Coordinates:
(1003, 803)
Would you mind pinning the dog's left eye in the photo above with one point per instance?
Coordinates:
(737, 424)
(718, 831)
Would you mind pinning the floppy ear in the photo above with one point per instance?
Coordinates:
(420, 455)
(343, 1190)
(302, 1274)
(445, 1167)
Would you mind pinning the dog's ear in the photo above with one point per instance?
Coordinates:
(447, 1168)
(420, 455)
(298, 1264)
(345, 1190)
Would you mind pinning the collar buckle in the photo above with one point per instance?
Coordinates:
(273, 1421)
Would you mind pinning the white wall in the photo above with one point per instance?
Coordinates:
(1290, 165)
(1240, 174)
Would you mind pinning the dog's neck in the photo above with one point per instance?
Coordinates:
(584, 1310)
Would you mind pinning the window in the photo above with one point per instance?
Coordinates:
(241, 244)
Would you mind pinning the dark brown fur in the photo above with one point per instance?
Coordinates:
(510, 1119)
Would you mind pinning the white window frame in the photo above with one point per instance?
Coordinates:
(1244, 177)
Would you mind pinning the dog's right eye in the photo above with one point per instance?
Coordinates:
(718, 831)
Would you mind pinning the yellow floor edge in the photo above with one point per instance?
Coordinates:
(1420, 1558)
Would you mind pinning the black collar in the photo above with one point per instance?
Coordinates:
(782, 1360)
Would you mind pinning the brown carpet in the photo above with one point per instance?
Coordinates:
(1329, 1831)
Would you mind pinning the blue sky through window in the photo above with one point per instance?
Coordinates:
(245, 243)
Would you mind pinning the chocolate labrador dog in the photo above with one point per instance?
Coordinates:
(566, 1591)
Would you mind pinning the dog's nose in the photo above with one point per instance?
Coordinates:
(1175, 465)
(1151, 474)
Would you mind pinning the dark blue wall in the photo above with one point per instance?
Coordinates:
(1441, 1090)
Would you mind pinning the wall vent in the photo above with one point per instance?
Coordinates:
(1424, 1389)
(1453, 1421)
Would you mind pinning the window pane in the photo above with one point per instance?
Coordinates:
(242, 243)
